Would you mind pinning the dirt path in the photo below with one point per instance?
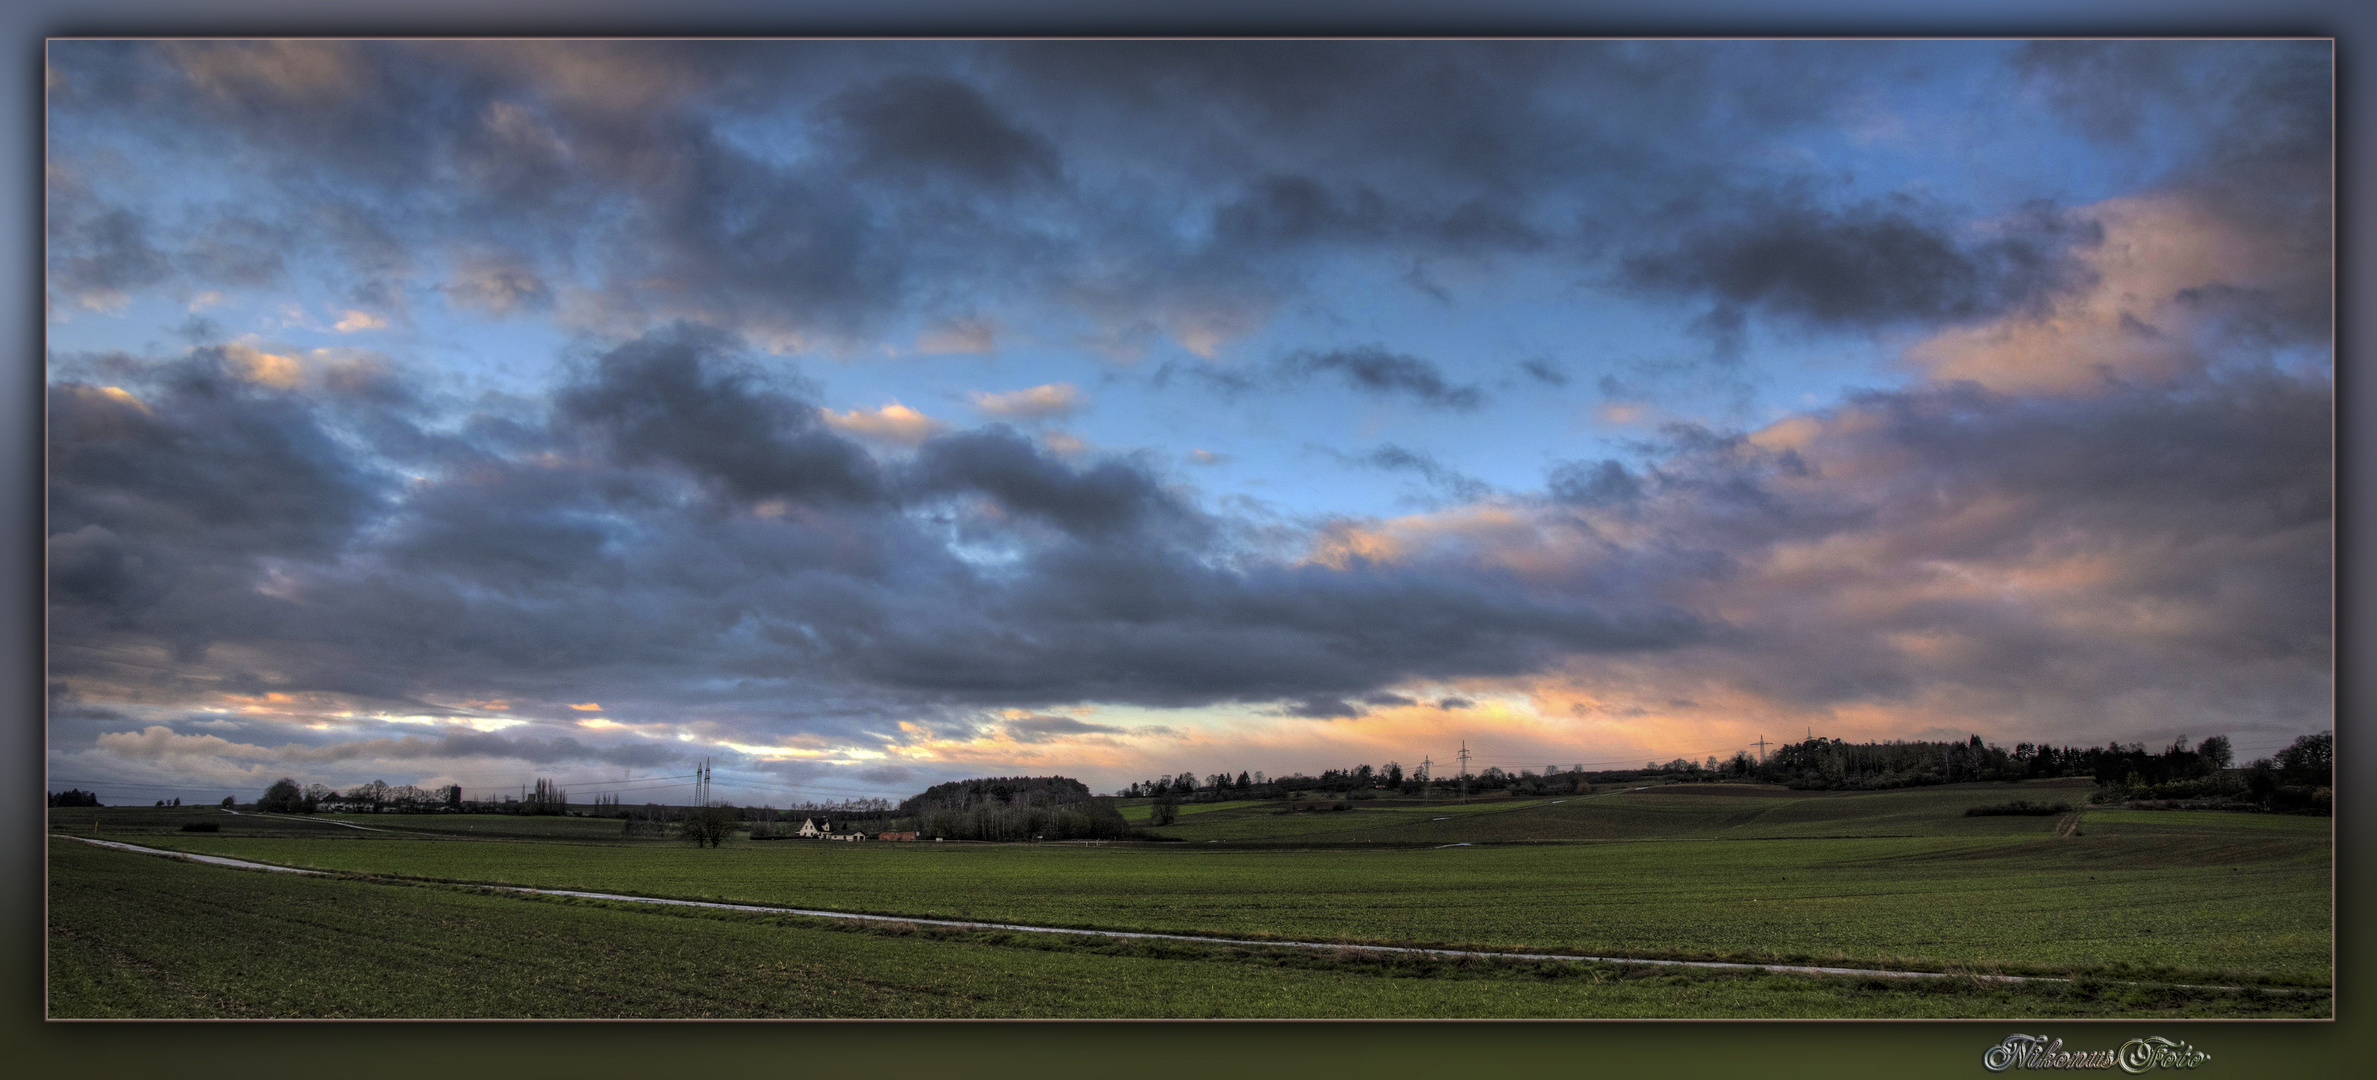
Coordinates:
(317, 821)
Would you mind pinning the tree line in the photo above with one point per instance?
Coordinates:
(2297, 779)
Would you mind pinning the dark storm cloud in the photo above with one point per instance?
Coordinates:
(685, 179)
(676, 397)
(1287, 211)
(1375, 369)
(2249, 98)
(1324, 708)
(1106, 499)
(1868, 265)
(224, 466)
(767, 185)
(924, 123)
(96, 252)
(625, 551)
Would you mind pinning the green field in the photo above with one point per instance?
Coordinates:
(1892, 879)
(138, 936)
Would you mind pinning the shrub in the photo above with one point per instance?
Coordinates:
(2023, 807)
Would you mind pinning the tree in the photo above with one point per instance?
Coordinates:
(2311, 760)
(283, 797)
(73, 797)
(227, 802)
(2217, 751)
(709, 825)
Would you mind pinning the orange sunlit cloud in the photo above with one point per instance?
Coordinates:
(894, 423)
(2136, 317)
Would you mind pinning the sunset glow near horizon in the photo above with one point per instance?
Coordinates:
(864, 415)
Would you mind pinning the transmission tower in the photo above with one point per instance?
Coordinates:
(1464, 769)
(701, 784)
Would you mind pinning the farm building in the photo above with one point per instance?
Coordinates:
(907, 836)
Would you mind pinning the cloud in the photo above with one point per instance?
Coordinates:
(625, 185)
(2104, 498)
(974, 336)
(1376, 370)
(911, 124)
(1544, 371)
(262, 368)
(895, 423)
(2175, 286)
(98, 253)
(1108, 498)
(1867, 265)
(681, 397)
(2162, 550)
(1323, 707)
(1048, 402)
(2246, 100)
(497, 285)
(161, 744)
(1602, 483)
(675, 531)
(1041, 728)
(1391, 457)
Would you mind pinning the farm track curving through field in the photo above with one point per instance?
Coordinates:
(969, 924)
(317, 821)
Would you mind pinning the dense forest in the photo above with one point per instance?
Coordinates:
(1014, 808)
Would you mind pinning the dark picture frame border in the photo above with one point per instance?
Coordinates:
(1136, 1048)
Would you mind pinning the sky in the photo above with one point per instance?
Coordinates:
(863, 415)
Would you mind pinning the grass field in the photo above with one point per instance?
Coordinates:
(138, 936)
(1891, 879)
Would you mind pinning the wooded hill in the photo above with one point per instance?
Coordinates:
(1014, 808)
